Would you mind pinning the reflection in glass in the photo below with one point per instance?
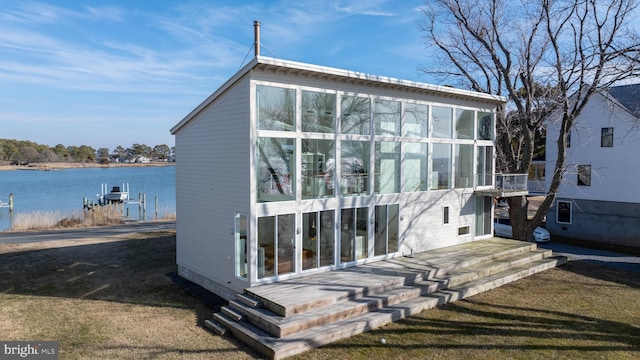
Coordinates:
(276, 108)
(318, 239)
(240, 235)
(386, 229)
(441, 167)
(442, 119)
(355, 115)
(355, 167)
(387, 165)
(464, 166)
(353, 234)
(318, 112)
(286, 243)
(485, 126)
(484, 166)
(386, 117)
(464, 124)
(327, 237)
(275, 164)
(317, 168)
(415, 167)
(416, 120)
(266, 246)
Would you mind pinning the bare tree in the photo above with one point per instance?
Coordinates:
(548, 57)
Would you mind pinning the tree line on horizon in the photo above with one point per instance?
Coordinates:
(25, 152)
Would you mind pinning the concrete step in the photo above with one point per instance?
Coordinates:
(320, 335)
(367, 300)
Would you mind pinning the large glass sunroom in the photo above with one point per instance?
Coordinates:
(343, 161)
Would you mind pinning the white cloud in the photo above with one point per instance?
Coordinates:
(365, 7)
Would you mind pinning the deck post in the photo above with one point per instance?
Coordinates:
(11, 203)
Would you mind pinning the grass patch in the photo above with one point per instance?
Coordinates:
(119, 298)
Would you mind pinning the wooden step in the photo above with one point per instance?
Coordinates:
(280, 326)
(316, 336)
(232, 314)
(215, 327)
(397, 272)
(248, 300)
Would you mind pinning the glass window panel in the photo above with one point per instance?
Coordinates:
(362, 233)
(275, 169)
(386, 229)
(310, 233)
(606, 138)
(442, 119)
(327, 237)
(286, 243)
(318, 239)
(355, 167)
(415, 167)
(387, 165)
(266, 246)
(353, 234)
(484, 166)
(347, 235)
(318, 112)
(416, 120)
(584, 175)
(441, 167)
(485, 126)
(276, 108)
(317, 168)
(393, 224)
(241, 245)
(464, 166)
(564, 212)
(355, 115)
(386, 117)
(464, 124)
(380, 239)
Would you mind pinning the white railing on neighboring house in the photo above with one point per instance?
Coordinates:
(511, 182)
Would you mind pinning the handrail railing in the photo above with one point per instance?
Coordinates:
(511, 182)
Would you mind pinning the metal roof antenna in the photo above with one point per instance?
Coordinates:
(256, 36)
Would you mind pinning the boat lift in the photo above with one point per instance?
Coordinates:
(119, 196)
(7, 204)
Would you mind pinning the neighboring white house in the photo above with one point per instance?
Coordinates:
(598, 199)
(291, 169)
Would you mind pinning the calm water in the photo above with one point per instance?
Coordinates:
(64, 190)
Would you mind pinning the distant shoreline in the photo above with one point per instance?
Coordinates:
(50, 166)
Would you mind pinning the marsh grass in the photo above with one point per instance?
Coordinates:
(120, 298)
(42, 220)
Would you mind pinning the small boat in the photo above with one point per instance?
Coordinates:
(116, 195)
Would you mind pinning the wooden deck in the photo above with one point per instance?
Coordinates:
(288, 317)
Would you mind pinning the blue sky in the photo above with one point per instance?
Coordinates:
(119, 72)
